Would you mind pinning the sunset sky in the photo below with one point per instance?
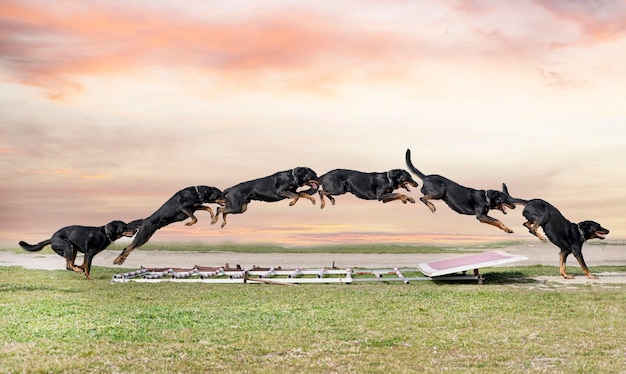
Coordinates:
(107, 108)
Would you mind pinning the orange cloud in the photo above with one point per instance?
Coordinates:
(48, 45)
(7, 150)
(97, 176)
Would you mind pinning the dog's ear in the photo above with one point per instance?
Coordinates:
(505, 189)
(304, 174)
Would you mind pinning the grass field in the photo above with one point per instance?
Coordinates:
(55, 321)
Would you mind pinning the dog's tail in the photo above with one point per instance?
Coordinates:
(36, 247)
(410, 165)
(513, 200)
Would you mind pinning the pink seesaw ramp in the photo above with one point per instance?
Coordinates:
(468, 262)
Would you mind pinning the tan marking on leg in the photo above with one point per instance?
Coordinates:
(533, 230)
(585, 269)
(497, 224)
(217, 215)
(562, 272)
(428, 204)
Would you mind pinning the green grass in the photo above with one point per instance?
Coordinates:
(269, 248)
(55, 321)
(273, 248)
(333, 248)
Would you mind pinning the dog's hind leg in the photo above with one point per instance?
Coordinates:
(432, 190)
(425, 200)
(86, 267)
(533, 230)
(219, 211)
(69, 252)
(225, 211)
(191, 215)
(328, 195)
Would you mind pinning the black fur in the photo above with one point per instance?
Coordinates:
(275, 187)
(178, 208)
(366, 186)
(461, 199)
(568, 236)
(67, 241)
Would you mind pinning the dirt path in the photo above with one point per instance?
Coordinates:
(542, 254)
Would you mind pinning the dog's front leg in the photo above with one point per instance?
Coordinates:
(583, 265)
(119, 260)
(563, 257)
(303, 195)
(396, 196)
(204, 207)
(295, 196)
(494, 222)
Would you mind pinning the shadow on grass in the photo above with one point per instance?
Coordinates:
(507, 277)
(501, 277)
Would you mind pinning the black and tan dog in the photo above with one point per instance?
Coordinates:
(178, 208)
(90, 240)
(461, 199)
(275, 187)
(366, 186)
(568, 236)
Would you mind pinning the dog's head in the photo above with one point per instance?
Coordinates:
(305, 177)
(592, 230)
(210, 194)
(500, 200)
(401, 179)
(116, 229)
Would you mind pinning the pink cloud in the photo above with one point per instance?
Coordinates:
(63, 172)
(558, 80)
(598, 20)
(48, 45)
